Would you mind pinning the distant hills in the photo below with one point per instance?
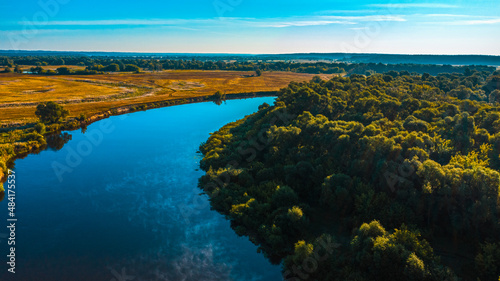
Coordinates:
(339, 57)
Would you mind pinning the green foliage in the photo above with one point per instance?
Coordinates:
(488, 261)
(494, 96)
(63, 71)
(112, 67)
(492, 84)
(37, 70)
(132, 67)
(218, 97)
(401, 255)
(82, 117)
(295, 213)
(391, 149)
(284, 197)
(51, 112)
(40, 128)
(36, 137)
(101, 64)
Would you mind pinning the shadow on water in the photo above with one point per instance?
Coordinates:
(218, 98)
(57, 141)
(219, 102)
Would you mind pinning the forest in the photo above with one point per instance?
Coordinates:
(392, 176)
(100, 65)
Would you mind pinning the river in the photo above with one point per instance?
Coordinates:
(120, 202)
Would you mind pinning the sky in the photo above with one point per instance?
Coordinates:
(252, 26)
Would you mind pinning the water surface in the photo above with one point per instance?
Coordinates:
(120, 202)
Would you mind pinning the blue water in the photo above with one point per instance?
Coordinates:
(120, 202)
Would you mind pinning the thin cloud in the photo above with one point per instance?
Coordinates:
(414, 5)
(123, 22)
(244, 22)
(366, 18)
(327, 20)
(34, 32)
(445, 16)
(329, 12)
(476, 22)
(305, 23)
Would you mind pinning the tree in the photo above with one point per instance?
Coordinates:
(295, 213)
(316, 79)
(492, 84)
(59, 61)
(132, 67)
(488, 261)
(218, 98)
(63, 70)
(18, 69)
(40, 128)
(495, 96)
(36, 70)
(258, 72)
(51, 112)
(112, 67)
(468, 72)
(461, 92)
(121, 65)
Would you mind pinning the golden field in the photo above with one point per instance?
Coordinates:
(92, 94)
(25, 89)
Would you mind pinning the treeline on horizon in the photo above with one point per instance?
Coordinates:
(100, 65)
(381, 177)
(491, 60)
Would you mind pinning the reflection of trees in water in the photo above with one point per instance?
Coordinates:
(219, 102)
(218, 98)
(57, 141)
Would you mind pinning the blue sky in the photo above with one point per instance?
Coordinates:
(252, 26)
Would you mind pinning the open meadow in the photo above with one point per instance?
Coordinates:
(93, 94)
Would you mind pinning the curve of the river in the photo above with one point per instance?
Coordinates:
(120, 202)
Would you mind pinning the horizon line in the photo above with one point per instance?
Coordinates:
(250, 54)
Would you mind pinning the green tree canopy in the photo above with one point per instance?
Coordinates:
(51, 112)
